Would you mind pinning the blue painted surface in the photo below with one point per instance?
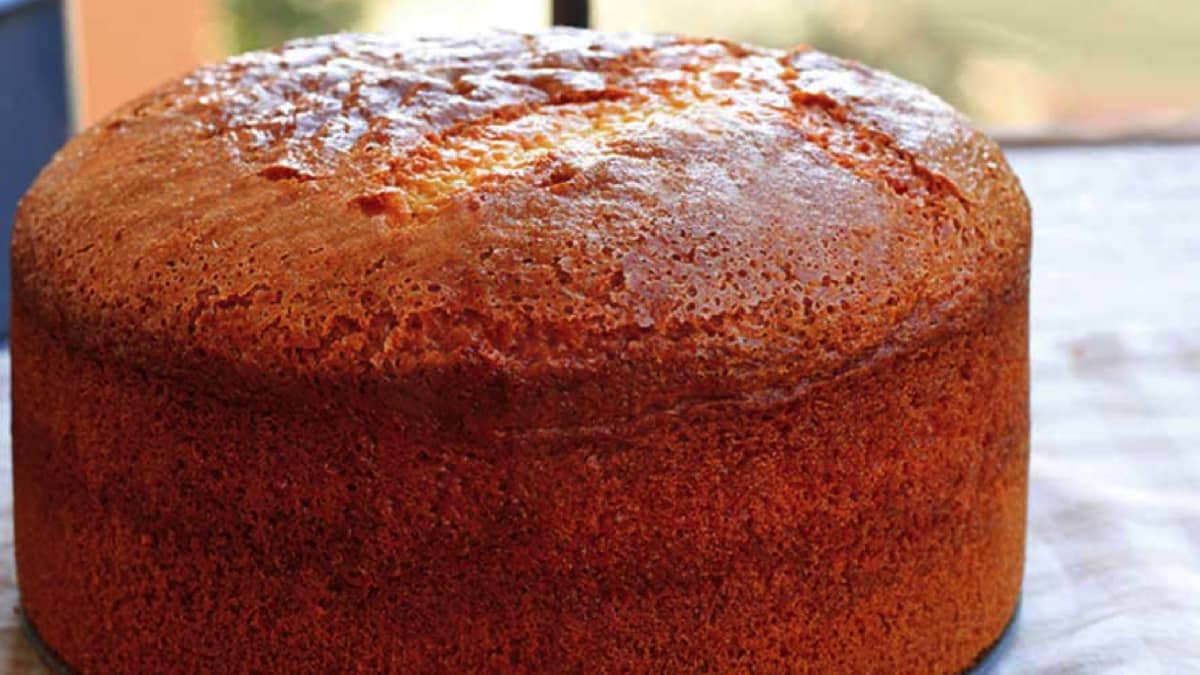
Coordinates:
(34, 121)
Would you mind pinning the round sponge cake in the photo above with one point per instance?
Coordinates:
(559, 352)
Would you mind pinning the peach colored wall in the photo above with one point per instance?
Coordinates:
(122, 48)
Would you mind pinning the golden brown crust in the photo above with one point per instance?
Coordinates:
(568, 352)
(718, 219)
(874, 523)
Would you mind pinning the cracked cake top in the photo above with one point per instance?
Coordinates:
(632, 221)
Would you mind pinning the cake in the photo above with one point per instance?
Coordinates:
(560, 352)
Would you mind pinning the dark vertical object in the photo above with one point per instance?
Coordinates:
(33, 110)
(571, 13)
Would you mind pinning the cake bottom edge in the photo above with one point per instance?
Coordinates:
(991, 655)
(983, 664)
(44, 651)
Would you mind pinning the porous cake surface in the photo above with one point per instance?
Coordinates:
(562, 205)
(560, 351)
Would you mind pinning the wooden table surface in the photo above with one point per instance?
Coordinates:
(1113, 571)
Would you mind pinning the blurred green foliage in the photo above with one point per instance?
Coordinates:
(1005, 62)
(257, 24)
(916, 46)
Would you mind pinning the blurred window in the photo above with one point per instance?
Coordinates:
(1074, 67)
(1054, 68)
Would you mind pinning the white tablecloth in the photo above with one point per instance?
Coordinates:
(1112, 581)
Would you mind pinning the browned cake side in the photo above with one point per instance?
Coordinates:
(552, 352)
